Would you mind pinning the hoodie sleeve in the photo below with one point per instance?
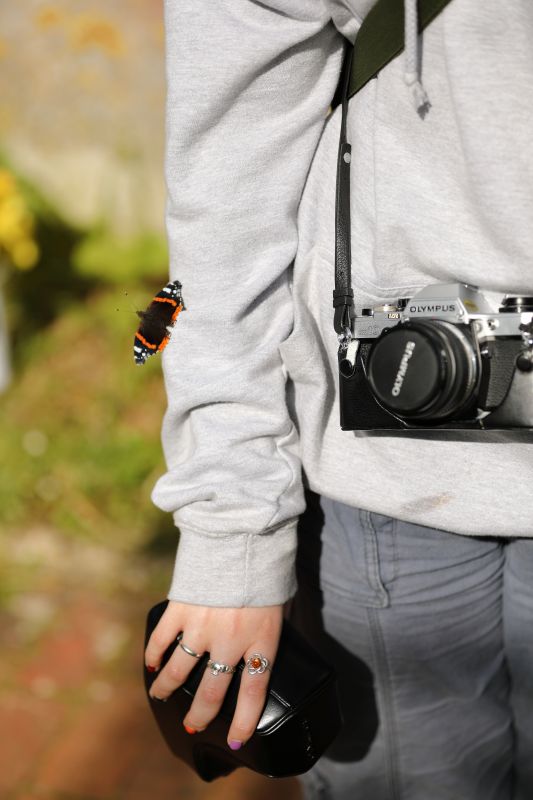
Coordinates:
(248, 89)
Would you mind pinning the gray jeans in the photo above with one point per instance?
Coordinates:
(431, 634)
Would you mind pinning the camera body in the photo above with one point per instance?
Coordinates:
(443, 358)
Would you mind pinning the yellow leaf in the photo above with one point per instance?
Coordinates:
(7, 183)
(25, 254)
(15, 222)
(97, 32)
(48, 16)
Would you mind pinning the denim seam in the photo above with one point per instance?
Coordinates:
(394, 545)
(392, 551)
(381, 596)
(390, 732)
(347, 592)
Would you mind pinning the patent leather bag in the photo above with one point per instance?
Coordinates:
(300, 719)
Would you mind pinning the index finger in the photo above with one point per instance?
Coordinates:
(167, 629)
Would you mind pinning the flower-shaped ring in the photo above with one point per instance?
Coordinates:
(257, 663)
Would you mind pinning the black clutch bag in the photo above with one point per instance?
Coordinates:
(300, 719)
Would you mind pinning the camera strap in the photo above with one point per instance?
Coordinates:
(380, 39)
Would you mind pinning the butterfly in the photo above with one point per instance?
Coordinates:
(153, 334)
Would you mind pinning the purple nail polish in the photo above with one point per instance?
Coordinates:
(234, 744)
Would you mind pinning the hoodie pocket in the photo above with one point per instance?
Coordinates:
(292, 352)
(304, 350)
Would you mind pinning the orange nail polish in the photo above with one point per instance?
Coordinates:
(189, 729)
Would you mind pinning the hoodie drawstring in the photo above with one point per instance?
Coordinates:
(412, 70)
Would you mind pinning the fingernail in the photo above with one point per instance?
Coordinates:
(234, 744)
(189, 729)
(155, 697)
(150, 668)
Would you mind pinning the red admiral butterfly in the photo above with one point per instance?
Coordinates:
(153, 334)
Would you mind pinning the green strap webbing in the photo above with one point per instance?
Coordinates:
(381, 37)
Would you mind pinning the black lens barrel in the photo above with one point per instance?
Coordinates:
(424, 369)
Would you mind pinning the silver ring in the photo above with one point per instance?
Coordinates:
(216, 667)
(189, 651)
(257, 663)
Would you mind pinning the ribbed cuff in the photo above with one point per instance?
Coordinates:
(235, 570)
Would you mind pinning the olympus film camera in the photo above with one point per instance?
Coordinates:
(443, 358)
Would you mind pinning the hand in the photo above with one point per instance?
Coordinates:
(228, 634)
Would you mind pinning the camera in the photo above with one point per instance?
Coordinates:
(443, 358)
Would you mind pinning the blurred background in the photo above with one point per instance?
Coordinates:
(83, 552)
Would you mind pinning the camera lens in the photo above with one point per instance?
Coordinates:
(427, 369)
(516, 304)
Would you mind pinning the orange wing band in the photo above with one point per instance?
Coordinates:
(145, 342)
(176, 312)
(164, 343)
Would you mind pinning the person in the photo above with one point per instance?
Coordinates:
(407, 558)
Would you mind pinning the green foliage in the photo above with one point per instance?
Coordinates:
(80, 424)
(80, 431)
(102, 257)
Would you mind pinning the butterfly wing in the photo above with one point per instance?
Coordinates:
(152, 335)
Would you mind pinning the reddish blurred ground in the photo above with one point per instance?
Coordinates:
(74, 719)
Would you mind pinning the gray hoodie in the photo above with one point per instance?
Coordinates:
(251, 369)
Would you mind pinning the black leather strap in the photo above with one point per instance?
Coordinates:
(343, 292)
(380, 39)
